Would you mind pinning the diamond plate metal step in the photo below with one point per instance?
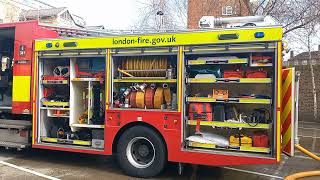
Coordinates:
(14, 145)
(15, 124)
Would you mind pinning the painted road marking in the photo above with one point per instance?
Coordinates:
(314, 140)
(253, 172)
(278, 171)
(302, 156)
(307, 122)
(308, 128)
(28, 171)
(309, 136)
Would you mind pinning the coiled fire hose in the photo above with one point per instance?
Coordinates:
(144, 63)
(307, 173)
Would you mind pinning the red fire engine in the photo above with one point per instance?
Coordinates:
(207, 97)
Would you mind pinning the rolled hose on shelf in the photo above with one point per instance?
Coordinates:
(307, 173)
(144, 63)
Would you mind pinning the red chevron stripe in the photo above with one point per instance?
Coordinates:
(286, 124)
(285, 74)
(287, 148)
(286, 97)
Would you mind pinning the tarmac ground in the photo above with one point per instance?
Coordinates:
(45, 164)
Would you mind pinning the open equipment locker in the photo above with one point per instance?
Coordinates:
(234, 56)
(56, 114)
(145, 73)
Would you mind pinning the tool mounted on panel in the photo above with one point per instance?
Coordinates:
(60, 75)
(53, 98)
(91, 71)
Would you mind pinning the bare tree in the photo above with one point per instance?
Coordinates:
(307, 37)
(292, 14)
(162, 14)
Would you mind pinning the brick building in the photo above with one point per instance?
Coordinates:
(216, 8)
(306, 99)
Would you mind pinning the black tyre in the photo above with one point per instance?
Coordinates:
(141, 152)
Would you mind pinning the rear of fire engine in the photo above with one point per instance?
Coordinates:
(16, 58)
(211, 98)
(17, 62)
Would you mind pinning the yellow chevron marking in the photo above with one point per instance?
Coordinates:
(286, 84)
(286, 110)
(286, 137)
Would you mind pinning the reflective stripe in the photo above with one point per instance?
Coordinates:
(180, 78)
(175, 39)
(287, 111)
(108, 79)
(278, 93)
(34, 112)
(21, 88)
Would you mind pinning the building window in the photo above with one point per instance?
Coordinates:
(1, 20)
(65, 16)
(304, 62)
(227, 10)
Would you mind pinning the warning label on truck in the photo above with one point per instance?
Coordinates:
(144, 40)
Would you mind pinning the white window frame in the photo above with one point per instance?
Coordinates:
(304, 62)
(227, 10)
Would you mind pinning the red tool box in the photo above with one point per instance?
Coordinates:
(54, 78)
(233, 73)
(256, 74)
(261, 59)
(260, 140)
(200, 111)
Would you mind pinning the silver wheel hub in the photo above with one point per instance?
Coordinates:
(140, 152)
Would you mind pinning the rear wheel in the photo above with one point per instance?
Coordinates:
(141, 152)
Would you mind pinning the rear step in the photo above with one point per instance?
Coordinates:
(5, 107)
(15, 133)
(15, 124)
(14, 145)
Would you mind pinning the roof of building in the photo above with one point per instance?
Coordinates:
(41, 12)
(99, 27)
(315, 55)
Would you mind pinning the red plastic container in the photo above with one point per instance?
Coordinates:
(262, 58)
(54, 78)
(233, 74)
(256, 74)
(200, 111)
(260, 140)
